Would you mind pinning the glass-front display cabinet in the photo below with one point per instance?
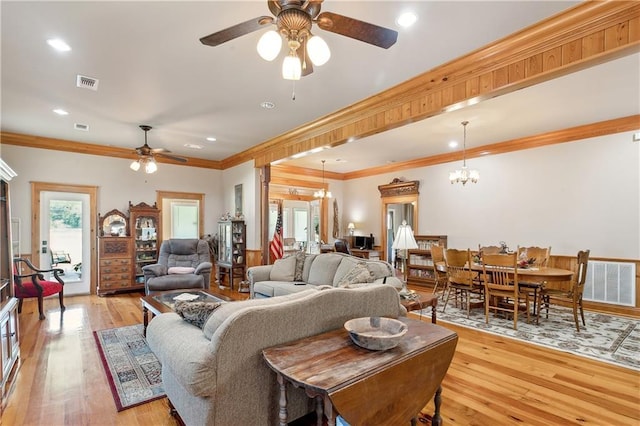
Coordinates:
(145, 229)
(231, 250)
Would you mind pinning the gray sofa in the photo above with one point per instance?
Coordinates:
(300, 272)
(178, 254)
(217, 376)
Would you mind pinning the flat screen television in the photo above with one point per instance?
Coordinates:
(362, 242)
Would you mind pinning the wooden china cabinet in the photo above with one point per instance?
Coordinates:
(145, 231)
(115, 245)
(9, 331)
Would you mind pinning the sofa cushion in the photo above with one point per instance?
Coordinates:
(268, 288)
(223, 312)
(358, 274)
(300, 258)
(283, 269)
(196, 313)
(308, 261)
(323, 269)
(181, 270)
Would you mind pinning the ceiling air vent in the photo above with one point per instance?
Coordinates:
(83, 127)
(87, 82)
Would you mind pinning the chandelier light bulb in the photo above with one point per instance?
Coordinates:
(135, 166)
(291, 67)
(318, 49)
(269, 45)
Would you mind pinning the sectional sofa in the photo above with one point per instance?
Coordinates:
(301, 272)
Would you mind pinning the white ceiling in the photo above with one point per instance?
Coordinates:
(153, 70)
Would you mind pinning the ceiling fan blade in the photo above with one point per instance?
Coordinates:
(236, 31)
(159, 150)
(172, 157)
(356, 29)
(307, 66)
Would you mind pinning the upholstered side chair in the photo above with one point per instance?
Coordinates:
(182, 263)
(30, 281)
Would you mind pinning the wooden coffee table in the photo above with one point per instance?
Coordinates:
(421, 300)
(162, 302)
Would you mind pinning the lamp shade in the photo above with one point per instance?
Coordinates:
(351, 226)
(318, 49)
(151, 166)
(291, 67)
(135, 166)
(269, 45)
(404, 238)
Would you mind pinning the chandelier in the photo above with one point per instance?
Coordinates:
(294, 26)
(321, 193)
(464, 174)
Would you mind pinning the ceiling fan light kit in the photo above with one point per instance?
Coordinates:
(294, 19)
(146, 155)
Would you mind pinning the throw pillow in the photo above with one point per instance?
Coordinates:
(283, 269)
(358, 275)
(300, 257)
(181, 270)
(196, 313)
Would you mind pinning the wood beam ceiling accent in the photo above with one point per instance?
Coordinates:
(618, 125)
(583, 36)
(94, 149)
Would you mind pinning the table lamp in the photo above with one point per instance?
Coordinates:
(351, 227)
(404, 241)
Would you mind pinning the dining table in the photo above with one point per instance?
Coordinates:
(533, 277)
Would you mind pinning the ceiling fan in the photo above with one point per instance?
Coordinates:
(294, 19)
(146, 155)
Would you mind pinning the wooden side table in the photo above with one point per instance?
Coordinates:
(366, 387)
(421, 300)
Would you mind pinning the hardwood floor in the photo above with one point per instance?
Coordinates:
(492, 380)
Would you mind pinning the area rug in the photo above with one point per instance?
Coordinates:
(133, 371)
(609, 338)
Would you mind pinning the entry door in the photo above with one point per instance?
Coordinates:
(66, 238)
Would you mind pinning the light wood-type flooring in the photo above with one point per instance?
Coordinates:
(492, 380)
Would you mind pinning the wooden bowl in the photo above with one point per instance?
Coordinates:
(376, 333)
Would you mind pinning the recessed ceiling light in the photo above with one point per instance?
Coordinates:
(60, 111)
(59, 44)
(268, 105)
(406, 19)
(193, 146)
(453, 144)
(211, 139)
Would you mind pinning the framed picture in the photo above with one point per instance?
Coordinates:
(238, 197)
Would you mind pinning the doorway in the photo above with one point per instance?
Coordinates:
(63, 232)
(182, 214)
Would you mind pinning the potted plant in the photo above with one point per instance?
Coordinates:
(78, 268)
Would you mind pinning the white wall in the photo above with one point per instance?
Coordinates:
(244, 174)
(569, 196)
(117, 183)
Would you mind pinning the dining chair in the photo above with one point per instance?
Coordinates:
(439, 277)
(539, 256)
(29, 281)
(502, 291)
(482, 250)
(574, 295)
(460, 279)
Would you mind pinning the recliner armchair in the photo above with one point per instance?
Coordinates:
(182, 263)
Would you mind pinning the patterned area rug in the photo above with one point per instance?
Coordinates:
(133, 371)
(609, 338)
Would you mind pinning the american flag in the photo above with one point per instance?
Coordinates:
(276, 248)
